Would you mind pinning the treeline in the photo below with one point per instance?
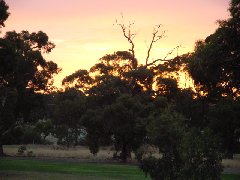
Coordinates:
(128, 105)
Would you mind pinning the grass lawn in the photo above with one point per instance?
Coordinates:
(13, 169)
(10, 168)
(230, 177)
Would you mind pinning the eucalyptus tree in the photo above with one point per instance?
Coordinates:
(215, 63)
(23, 72)
(69, 107)
(116, 78)
(3, 13)
(214, 66)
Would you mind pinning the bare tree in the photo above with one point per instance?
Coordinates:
(157, 35)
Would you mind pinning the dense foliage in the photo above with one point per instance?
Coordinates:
(215, 62)
(23, 72)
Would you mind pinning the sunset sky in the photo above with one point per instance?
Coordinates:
(84, 30)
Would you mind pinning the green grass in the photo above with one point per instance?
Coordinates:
(91, 170)
(230, 177)
(11, 169)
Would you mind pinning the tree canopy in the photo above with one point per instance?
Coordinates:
(3, 13)
(121, 103)
(23, 71)
(215, 63)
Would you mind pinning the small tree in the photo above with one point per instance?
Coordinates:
(69, 106)
(184, 153)
(224, 121)
(201, 155)
(44, 127)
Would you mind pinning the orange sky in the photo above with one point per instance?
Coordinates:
(83, 30)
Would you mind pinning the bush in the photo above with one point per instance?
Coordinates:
(201, 155)
(22, 149)
(30, 153)
(197, 157)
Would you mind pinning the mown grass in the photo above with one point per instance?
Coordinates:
(40, 169)
(230, 177)
(91, 170)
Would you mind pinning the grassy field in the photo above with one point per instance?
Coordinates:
(19, 169)
(68, 164)
(230, 177)
(11, 168)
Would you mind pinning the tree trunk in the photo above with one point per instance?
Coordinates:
(229, 153)
(68, 140)
(230, 148)
(1, 150)
(126, 152)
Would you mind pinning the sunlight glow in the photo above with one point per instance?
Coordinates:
(83, 31)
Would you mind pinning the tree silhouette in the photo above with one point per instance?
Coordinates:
(3, 13)
(215, 62)
(23, 71)
(69, 107)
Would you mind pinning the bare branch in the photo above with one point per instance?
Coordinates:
(165, 58)
(128, 35)
(170, 52)
(155, 38)
(149, 64)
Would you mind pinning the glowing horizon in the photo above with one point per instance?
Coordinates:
(83, 30)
